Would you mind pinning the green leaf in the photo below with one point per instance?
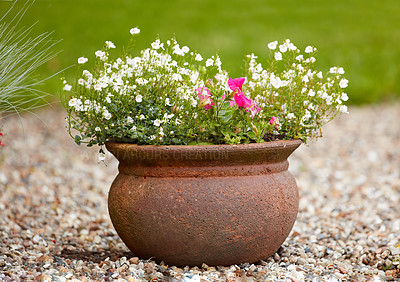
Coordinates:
(78, 140)
(252, 135)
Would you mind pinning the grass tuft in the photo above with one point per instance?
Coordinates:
(21, 55)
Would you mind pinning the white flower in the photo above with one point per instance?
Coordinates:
(139, 98)
(156, 44)
(278, 56)
(81, 81)
(161, 132)
(283, 48)
(319, 75)
(129, 120)
(343, 109)
(299, 58)
(307, 115)
(141, 81)
(110, 45)
(324, 95)
(259, 68)
(291, 116)
(198, 58)
(195, 76)
(178, 50)
(106, 115)
(100, 54)
(73, 102)
(218, 62)
(276, 82)
(344, 97)
(157, 122)
(142, 117)
(101, 157)
(133, 128)
(97, 87)
(256, 76)
(87, 73)
(309, 49)
(168, 102)
(336, 70)
(311, 93)
(193, 102)
(82, 60)
(272, 45)
(209, 62)
(134, 30)
(166, 116)
(67, 87)
(108, 100)
(291, 46)
(343, 83)
(176, 77)
(185, 49)
(97, 129)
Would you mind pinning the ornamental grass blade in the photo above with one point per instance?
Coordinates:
(21, 54)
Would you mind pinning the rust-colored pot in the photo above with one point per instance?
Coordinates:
(216, 204)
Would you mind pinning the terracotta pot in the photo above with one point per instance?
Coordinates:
(217, 204)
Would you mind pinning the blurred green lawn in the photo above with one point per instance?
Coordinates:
(362, 36)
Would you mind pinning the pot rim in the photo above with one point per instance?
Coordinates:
(292, 143)
(217, 160)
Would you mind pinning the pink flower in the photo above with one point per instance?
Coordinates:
(205, 97)
(273, 120)
(236, 86)
(1, 143)
(236, 83)
(242, 101)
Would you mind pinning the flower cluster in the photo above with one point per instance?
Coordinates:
(300, 98)
(168, 94)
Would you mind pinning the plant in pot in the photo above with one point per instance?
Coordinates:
(203, 171)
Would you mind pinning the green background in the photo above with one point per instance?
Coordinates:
(361, 36)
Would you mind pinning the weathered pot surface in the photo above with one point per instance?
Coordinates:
(216, 204)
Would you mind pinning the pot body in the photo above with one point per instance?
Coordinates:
(217, 204)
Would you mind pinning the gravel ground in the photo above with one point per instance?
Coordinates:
(54, 224)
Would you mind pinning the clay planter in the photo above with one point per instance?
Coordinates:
(217, 204)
